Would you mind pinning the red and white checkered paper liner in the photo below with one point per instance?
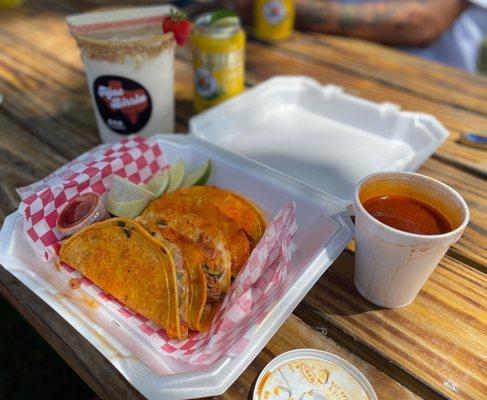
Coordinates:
(135, 159)
(257, 288)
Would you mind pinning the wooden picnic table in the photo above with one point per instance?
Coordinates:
(434, 348)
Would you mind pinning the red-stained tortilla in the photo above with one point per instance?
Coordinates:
(122, 258)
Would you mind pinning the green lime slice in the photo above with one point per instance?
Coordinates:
(125, 209)
(223, 18)
(123, 190)
(198, 176)
(158, 183)
(126, 199)
(176, 175)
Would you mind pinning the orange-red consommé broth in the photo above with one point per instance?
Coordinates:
(408, 214)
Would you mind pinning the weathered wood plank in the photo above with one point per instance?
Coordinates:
(440, 339)
(473, 244)
(439, 83)
(22, 161)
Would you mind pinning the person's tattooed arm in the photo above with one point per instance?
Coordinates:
(396, 22)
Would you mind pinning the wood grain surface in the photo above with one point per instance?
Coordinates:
(435, 348)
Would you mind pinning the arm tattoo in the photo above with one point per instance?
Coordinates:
(344, 17)
(385, 21)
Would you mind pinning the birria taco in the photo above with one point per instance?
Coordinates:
(242, 211)
(173, 209)
(125, 260)
(205, 298)
(201, 231)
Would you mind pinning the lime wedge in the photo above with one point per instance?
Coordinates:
(123, 190)
(176, 175)
(198, 176)
(125, 209)
(126, 199)
(158, 183)
(223, 18)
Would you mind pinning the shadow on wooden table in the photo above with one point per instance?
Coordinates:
(29, 367)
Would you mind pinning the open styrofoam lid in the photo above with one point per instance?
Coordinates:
(319, 134)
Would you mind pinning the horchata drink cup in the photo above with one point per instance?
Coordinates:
(391, 265)
(129, 65)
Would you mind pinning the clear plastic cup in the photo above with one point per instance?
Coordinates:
(391, 266)
(129, 65)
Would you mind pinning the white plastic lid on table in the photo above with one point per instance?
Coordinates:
(309, 374)
(318, 134)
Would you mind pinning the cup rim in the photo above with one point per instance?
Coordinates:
(162, 39)
(457, 196)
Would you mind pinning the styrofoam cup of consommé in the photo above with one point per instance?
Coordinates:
(391, 266)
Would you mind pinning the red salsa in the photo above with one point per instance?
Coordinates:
(408, 214)
(77, 210)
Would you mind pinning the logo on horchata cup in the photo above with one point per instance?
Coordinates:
(124, 105)
(274, 11)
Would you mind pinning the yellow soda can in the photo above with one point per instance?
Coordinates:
(274, 19)
(218, 45)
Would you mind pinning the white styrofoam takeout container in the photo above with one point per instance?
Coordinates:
(324, 229)
(320, 135)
